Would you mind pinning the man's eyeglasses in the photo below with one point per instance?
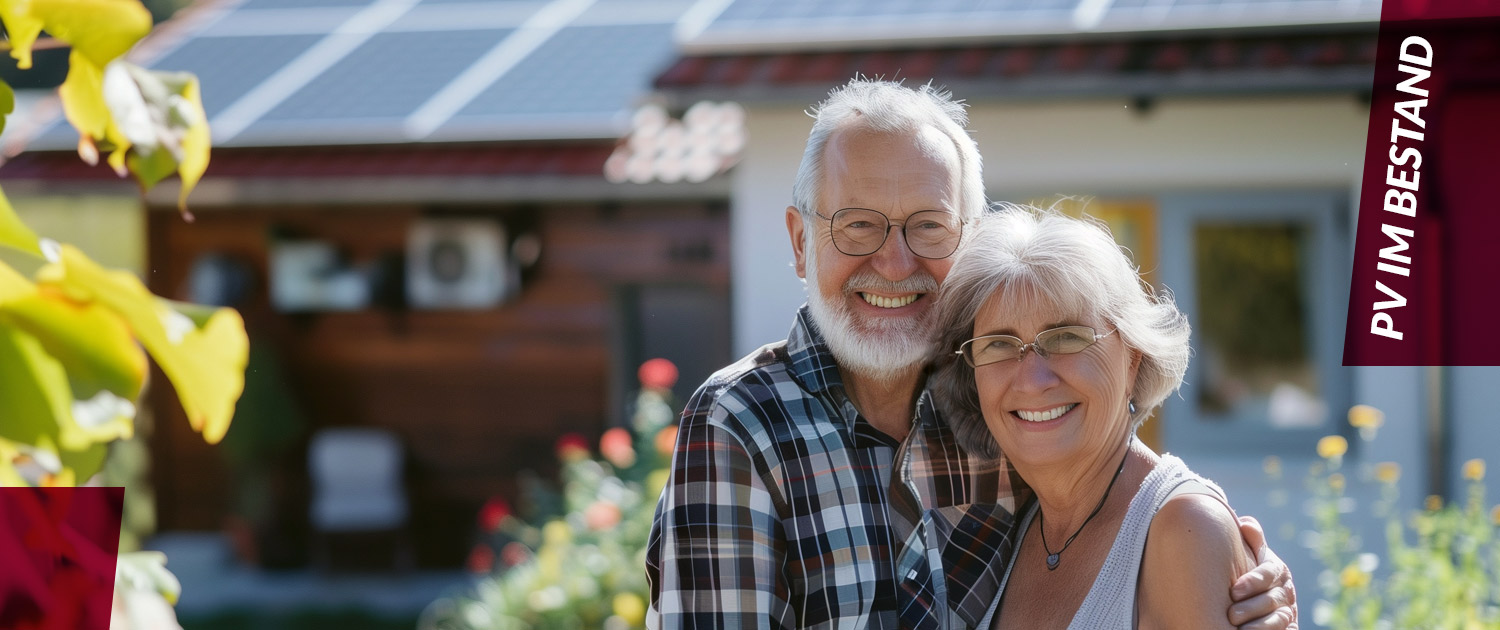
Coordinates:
(996, 348)
(861, 232)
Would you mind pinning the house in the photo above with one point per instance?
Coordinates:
(1223, 142)
(407, 201)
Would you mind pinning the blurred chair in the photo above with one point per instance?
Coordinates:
(358, 496)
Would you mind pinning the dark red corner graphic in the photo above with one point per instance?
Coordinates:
(1425, 286)
(58, 548)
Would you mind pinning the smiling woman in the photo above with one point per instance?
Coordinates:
(1054, 351)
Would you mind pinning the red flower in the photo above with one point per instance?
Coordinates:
(572, 447)
(494, 511)
(481, 559)
(657, 374)
(514, 553)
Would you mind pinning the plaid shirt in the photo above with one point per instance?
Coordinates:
(784, 508)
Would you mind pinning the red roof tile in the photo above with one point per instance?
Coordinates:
(559, 159)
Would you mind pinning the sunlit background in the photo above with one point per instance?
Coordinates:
(457, 229)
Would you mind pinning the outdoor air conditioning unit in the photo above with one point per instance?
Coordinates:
(457, 264)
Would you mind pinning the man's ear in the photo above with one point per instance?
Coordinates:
(794, 227)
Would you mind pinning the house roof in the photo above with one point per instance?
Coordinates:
(1135, 67)
(332, 72)
(794, 50)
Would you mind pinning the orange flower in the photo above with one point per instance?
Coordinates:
(601, 515)
(666, 439)
(616, 446)
(1434, 503)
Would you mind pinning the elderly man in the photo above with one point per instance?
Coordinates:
(801, 470)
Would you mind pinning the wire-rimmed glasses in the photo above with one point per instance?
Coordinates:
(988, 349)
(929, 233)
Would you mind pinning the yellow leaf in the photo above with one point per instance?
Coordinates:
(100, 30)
(22, 28)
(14, 233)
(82, 95)
(93, 344)
(206, 363)
(195, 143)
(9, 476)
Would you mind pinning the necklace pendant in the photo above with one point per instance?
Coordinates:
(1052, 561)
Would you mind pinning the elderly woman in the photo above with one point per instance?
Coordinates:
(1055, 353)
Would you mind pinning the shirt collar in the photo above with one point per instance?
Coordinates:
(812, 363)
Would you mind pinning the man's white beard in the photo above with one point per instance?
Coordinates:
(882, 349)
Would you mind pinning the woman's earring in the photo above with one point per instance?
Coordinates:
(1132, 406)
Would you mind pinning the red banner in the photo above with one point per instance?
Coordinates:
(1427, 246)
(58, 548)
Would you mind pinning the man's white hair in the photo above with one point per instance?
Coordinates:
(886, 106)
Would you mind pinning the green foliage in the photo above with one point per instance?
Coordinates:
(582, 567)
(74, 336)
(1441, 568)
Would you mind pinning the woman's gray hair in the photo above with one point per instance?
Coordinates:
(886, 106)
(1072, 264)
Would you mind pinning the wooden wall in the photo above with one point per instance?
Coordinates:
(475, 395)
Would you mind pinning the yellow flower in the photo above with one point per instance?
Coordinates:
(1495, 516)
(556, 533)
(1332, 446)
(1365, 416)
(1434, 503)
(1388, 472)
(1353, 577)
(630, 607)
(1336, 481)
(1272, 466)
(1474, 470)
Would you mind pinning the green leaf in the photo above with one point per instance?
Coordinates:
(22, 28)
(93, 344)
(15, 234)
(34, 388)
(206, 363)
(100, 30)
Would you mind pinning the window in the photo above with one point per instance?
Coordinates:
(1263, 279)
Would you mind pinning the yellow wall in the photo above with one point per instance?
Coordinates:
(110, 229)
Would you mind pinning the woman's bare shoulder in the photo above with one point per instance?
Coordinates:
(1194, 552)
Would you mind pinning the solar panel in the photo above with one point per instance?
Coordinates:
(388, 76)
(580, 69)
(299, 4)
(228, 67)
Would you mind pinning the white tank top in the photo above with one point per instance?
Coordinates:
(1110, 604)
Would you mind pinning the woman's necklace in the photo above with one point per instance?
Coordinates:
(1053, 559)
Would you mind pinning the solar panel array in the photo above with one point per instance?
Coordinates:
(302, 72)
(742, 25)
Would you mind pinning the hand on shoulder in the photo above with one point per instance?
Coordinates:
(1194, 552)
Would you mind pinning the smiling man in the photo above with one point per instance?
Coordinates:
(801, 470)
